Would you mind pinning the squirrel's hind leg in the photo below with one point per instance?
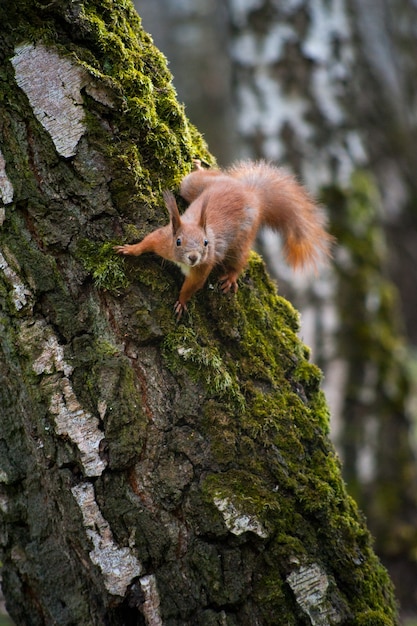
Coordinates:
(228, 282)
(195, 183)
(234, 265)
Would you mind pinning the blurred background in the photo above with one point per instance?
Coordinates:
(328, 89)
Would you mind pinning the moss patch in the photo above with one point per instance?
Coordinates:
(106, 268)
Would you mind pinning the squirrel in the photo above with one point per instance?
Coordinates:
(226, 210)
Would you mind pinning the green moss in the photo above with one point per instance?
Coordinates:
(373, 618)
(151, 144)
(289, 476)
(149, 113)
(125, 420)
(182, 347)
(273, 597)
(106, 268)
(245, 490)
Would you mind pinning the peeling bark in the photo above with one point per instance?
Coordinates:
(239, 522)
(53, 85)
(20, 294)
(151, 601)
(310, 585)
(118, 565)
(6, 187)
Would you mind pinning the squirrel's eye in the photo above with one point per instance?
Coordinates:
(205, 242)
(179, 241)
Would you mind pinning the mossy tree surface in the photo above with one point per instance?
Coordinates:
(151, 472)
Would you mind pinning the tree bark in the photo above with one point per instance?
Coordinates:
(150, 472)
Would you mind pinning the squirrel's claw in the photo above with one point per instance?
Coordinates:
(122, 249)
(179, 309)
(197, 164)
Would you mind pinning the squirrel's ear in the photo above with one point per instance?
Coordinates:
(174, 214)
(203, 215)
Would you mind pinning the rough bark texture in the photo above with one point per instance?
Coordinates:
(150, 472)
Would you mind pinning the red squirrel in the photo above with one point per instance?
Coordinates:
(226, 210)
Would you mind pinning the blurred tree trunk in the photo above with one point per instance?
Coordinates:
(386, 99)
(150, 472)
(317, 88)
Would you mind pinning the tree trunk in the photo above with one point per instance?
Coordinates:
(386, 94)
(151, 472)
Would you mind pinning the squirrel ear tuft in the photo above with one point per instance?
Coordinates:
(203, 215)
(174, 214)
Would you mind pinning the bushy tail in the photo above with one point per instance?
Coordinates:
(287, 208)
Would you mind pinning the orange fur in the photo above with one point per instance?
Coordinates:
(220, 225)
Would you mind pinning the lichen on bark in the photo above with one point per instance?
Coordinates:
(206, 482)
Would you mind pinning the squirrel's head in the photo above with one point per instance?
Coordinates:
(190, 241)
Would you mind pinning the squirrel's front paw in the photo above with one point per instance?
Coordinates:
(123, 249)
(179, 309)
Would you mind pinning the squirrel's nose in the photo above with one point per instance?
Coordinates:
(193, 258)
